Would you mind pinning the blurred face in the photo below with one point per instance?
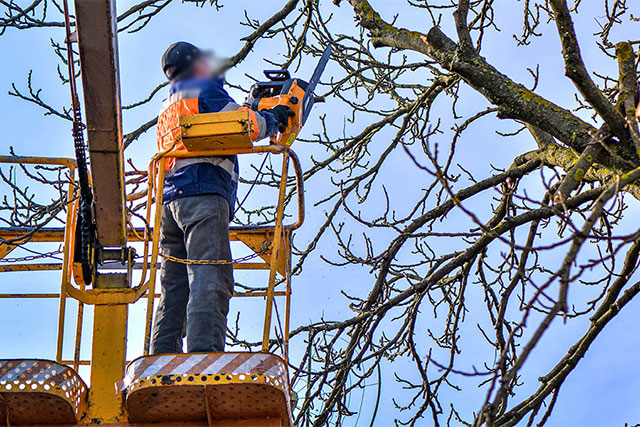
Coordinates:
(208, 66)
(202, 68)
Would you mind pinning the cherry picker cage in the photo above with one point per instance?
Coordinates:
(233, 388)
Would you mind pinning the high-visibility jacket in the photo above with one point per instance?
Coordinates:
(202, 175)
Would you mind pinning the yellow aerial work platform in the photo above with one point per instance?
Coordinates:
(231, 388)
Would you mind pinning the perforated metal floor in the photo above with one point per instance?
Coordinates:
(40, 392)
(201, 387)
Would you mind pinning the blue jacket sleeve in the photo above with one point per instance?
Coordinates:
(270, 122)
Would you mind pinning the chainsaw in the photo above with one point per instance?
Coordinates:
(297, 94)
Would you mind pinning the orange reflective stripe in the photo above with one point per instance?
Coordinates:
(169, 125)
(255, 129)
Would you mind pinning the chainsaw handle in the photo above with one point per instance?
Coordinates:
(277, 75)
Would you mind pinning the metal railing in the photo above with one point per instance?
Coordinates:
(278, 262)
(18, 237)
(276, 255)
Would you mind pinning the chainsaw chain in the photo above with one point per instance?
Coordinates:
(86, 196)
(85, 230)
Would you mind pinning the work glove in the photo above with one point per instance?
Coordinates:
(282, 114)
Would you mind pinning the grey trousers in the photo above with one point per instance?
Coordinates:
(194, 227)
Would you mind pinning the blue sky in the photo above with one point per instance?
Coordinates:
(602, 391)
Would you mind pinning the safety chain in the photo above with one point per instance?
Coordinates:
(265, 248)
(32, 257)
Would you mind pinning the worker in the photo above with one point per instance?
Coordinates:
(198, 204)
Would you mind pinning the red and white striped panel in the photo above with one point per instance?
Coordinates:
(43, 371)
(39, 392)
(206, 364)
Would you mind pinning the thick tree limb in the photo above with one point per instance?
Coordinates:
(579, 167)
(513, 100)
(462, 28)
(577, 72)
(628, 83)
